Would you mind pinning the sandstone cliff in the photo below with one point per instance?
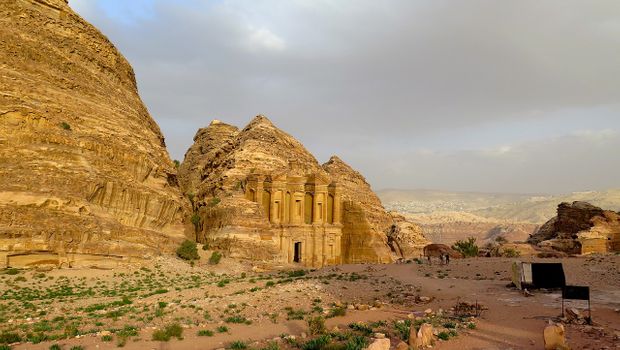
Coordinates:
(580, 228)
(258, 193)
(83, 166)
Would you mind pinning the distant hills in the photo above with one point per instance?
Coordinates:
(448, 216)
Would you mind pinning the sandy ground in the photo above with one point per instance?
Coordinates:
(207, 297)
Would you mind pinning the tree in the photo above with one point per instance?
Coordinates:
(467, 247)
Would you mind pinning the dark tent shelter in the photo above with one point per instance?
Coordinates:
(538, 275)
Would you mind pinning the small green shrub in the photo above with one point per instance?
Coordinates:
(77, 347)
(55, 347)
(188, 251)
(222, 329)
(510, 253)
(316, 325)
(296, 273)
(238, 345)
(317, 343)
(466, 247)
(11, 271)
(292, 314)
(237, 319)
(450, 325)
(356, 342)
(361, 327)
(215, 258)
(443, 335)
(471, 325)
(171, 330)
(106, 338)
(337, 311)
(5, 347)
(176, 163)
(9, 337)
(205, 333)
(403, 329)
(65, 126)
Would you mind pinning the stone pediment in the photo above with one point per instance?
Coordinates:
(319, 179)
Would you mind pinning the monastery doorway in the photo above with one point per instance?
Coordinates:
(297, 255)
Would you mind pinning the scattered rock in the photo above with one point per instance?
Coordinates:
(423, 338)
(554, 337)
(379, 344)
(379, 335)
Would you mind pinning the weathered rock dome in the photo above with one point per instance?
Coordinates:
(261, 195)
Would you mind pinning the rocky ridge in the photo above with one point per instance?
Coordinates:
(84, 169)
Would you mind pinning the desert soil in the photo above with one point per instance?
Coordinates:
(236, 304)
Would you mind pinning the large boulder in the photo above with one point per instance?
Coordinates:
(379, 344)
(580, 228)
(85, 171)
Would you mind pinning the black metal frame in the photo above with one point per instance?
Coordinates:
(577, 293)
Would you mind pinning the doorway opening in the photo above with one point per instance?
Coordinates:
(297, 256)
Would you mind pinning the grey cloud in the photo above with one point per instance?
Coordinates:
(584, 160)
(346, 75)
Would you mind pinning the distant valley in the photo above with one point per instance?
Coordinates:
(446, 217)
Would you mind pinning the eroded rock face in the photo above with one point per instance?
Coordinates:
(83, 166)
(261, 195)
(406, 238)
(580, 228)
(366, 222)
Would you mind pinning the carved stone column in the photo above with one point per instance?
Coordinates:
(337, 206)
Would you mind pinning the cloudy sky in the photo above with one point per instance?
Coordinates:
(494, 96)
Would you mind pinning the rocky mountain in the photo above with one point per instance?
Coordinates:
(580, 228)
(259, 194)
(84, 170)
